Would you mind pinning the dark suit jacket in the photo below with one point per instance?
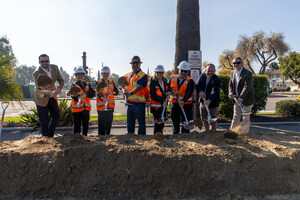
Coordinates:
(212, 90)
(245, 87)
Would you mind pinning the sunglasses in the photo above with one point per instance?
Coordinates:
(44, 61)
(237, 63)
(185, 71)
(135, 63)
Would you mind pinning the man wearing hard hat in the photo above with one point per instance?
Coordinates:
(47, 104)
(138, 93)
(81, 103)
(182, 88)
(106, 103)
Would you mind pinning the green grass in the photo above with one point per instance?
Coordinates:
(12, 119)
(92, 118)
(266, 113)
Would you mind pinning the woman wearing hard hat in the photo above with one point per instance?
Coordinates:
(159, 91)
(81, 104)
(106, 103)
(182, 87)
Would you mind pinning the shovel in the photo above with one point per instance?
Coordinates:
(163, 120)
(187, 124)
(243, 111)
(3, 113)
(209, 118)
(126, 104)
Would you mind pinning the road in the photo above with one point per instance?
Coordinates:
(262, 127)
(16, 109)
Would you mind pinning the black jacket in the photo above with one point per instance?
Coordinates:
(89, 94)
(212, 90)
(154, 84)
(189, 89)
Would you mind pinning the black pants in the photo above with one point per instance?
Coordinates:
(48, 127)
(176, 113)
(83, 118)
(157, 115)
(105, 119)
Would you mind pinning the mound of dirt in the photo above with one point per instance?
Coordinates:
(185, 166)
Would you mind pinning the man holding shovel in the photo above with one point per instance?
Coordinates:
(47, 103)
(137, 95)
(242, 91)
(182, 87)
(208, 87)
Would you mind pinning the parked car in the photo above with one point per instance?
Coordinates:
(281, 87)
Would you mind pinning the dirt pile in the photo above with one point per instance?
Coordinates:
(189, 166)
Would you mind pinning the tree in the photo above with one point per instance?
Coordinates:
(6, 49)
(115, 77)
(10, 89)
(187, 29)
(225, 60)
(290, 67)
(273, 66)
(65, 75)
(169, 73)
(262, 48)
(24, 74)
(243, 50)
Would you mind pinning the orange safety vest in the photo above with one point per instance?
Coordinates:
(155, 104)
(84, 104)
(182, 90)
(143, 94)
(111, 99)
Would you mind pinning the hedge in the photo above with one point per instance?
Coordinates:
(261, 87)
(288, 108)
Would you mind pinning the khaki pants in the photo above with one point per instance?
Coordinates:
(213, 113)
(237, 125)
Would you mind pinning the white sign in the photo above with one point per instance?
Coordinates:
(195, 59)
(195, 73)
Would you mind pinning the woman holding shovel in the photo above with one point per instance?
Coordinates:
(182, 87)
(106, 91)
(208, 88)
(81, 93)
(159, 93)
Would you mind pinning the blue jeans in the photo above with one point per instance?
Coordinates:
(48, 127)
(136, 111)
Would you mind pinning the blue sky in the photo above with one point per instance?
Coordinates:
(112, 31)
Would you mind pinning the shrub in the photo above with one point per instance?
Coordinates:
(65, 115)
(260, 84)
(288, 108)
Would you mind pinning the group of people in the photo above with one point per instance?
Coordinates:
(138, 92)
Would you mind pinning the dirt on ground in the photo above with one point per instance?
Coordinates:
(186, 166)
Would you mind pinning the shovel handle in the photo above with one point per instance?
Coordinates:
(235, 99)
(3, 104)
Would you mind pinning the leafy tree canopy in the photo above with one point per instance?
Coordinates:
(290, 67)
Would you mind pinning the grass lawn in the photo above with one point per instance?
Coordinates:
(92, 118)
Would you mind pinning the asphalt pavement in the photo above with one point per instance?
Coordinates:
(262, 127)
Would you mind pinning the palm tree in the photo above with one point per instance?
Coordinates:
(187, 29)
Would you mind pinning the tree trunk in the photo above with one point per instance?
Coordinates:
(187, 29)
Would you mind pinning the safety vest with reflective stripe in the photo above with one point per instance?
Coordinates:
(84, 103)
(182, 90)
(143, 94)
(155, 104)
(111, 98)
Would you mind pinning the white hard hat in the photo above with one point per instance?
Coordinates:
(105, 69)
(159, 68)
(184, 65)
(80, 70)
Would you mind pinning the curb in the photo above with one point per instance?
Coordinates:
(147, 125)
